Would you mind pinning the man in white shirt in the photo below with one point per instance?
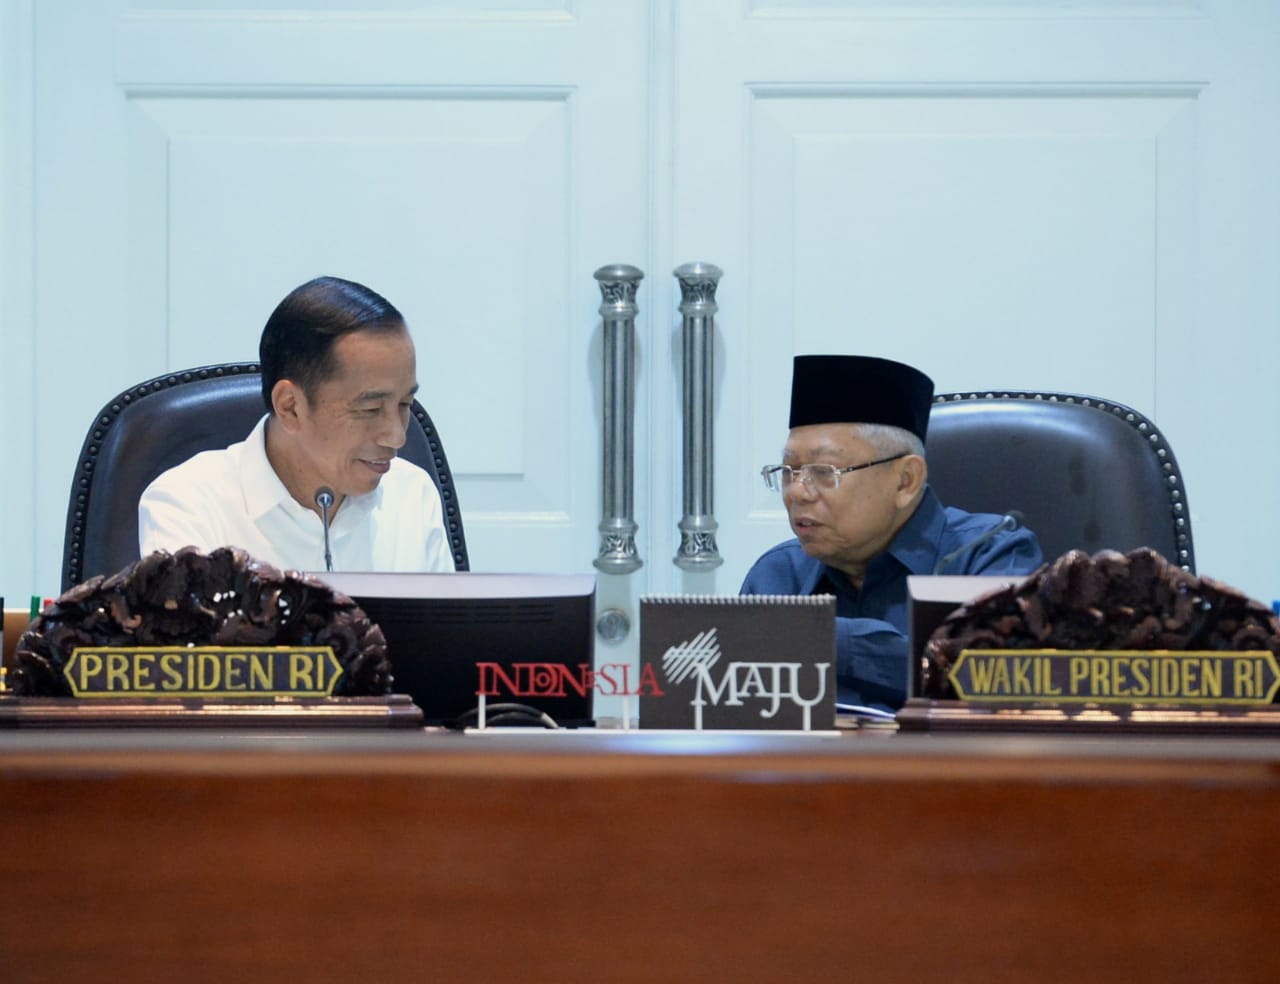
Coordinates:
(338, 379)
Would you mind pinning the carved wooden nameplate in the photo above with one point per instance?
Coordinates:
(206, 686)
(1096, 691)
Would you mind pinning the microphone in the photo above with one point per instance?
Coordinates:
(1010, 521)
(324, 499)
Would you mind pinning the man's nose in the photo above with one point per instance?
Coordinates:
(800, 490)
(393, 435)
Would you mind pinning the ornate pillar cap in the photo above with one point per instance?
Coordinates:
(699, 271)
(698, 283)
(619, 271)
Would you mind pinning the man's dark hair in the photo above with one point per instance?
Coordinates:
(297, 342)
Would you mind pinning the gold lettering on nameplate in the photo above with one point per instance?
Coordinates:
(138, 672)
(1057, 676)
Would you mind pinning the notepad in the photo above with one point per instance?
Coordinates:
(739, 662)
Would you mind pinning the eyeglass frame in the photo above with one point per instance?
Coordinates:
(836, 472)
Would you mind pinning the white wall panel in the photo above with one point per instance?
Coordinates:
(960, 230)
(921, 224)
(967, 8)
(377, 183)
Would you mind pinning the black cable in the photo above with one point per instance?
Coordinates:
(504, 714)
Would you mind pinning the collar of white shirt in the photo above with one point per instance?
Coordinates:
(263, 490)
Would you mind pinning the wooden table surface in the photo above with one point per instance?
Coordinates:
(161, 855)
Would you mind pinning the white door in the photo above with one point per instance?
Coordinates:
(1070, 196)
(474, 162)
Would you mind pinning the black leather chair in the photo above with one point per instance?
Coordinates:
(1086, 473)
(160, 423)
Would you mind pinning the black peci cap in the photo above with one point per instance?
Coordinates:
(859, 389)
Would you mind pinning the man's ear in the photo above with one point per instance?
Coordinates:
(289, 403)
(912, 475)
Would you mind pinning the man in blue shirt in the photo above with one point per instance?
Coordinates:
(853, 479)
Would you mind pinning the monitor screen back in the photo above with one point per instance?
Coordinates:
(930, 599)
(439, 627)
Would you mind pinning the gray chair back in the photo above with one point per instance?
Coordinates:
(155, 425)
(1086, 473)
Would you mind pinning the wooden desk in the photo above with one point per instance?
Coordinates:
(196, 857)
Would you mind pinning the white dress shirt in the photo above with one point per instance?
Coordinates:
(233, 498)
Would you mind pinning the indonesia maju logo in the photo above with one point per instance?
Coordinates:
(772, 683)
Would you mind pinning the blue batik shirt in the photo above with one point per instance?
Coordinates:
(871, 622)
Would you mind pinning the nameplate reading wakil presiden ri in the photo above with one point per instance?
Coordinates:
(1205, 678)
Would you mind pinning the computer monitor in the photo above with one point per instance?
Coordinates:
(440, 628)
(930, 599)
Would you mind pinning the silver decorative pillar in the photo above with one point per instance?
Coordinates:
(618, 286)
(698, 526)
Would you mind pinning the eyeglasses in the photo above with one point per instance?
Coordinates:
(825, 478)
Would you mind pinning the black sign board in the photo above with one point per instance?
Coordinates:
(749, 662)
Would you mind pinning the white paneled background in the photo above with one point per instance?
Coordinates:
(1077, 196)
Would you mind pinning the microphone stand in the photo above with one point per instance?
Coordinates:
(324, 499)
(1010, 521)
